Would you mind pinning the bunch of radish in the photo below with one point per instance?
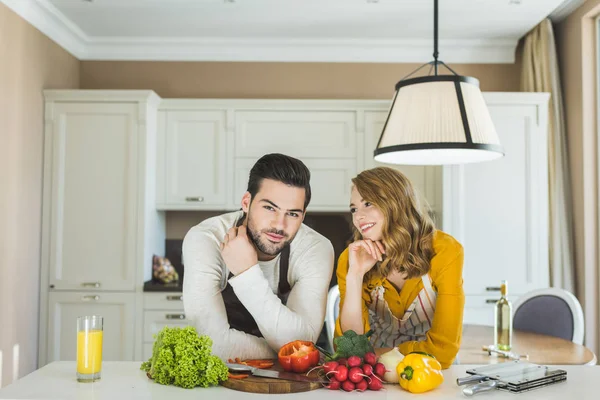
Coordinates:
(354, 373)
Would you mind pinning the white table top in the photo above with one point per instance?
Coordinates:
(125, 380)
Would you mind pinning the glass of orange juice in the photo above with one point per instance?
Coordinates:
(89, 348)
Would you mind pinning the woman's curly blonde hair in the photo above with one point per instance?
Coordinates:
(408, 229)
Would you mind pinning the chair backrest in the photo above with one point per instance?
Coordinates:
(551, 311)
(332, 312)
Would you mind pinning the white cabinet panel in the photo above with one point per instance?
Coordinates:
(117, 309)
(498, 210)
(194, 158)
(330, 182)
(93, 200)
(300, 134)
(426, 179)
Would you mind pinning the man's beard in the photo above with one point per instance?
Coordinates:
(265, 246)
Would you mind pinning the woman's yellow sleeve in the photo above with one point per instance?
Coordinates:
(443, 339)
(341, 272)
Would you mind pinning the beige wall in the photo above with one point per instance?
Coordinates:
(275, 80)
(576, 43)
(29, 62)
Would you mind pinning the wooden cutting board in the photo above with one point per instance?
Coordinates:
(255, 384)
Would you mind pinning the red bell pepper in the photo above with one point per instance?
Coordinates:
(298, 356)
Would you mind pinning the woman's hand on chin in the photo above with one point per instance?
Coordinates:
(363, 255)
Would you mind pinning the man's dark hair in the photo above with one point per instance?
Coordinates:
(281, 168)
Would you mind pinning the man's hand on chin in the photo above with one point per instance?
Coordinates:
(238, 252)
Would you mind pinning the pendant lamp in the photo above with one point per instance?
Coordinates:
(438, 119)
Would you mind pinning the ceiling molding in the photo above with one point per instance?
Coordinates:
(296, 50)
(50, 21)
(564, 10)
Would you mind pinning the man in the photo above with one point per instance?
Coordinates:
(257, 279)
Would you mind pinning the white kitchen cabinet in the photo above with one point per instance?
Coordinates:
(224, 138)
(100, 226)
(94, 165)
(117, 310)
(192, 159)
(498, 210)
(330, 182)
(425, 178)
(324, 139)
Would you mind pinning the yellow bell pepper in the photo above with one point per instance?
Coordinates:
(419, 372)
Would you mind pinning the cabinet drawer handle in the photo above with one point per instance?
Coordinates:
(198, 199)
(491, 301)
(175, 298)
(90, 298)
(91, 284)
(175, 316)
(493, 288)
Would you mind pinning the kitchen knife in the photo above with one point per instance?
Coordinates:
(470, 379)
(482, 387)
(265, 373)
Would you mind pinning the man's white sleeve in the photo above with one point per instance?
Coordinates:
(203, 302)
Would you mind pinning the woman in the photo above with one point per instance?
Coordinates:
(400, 277)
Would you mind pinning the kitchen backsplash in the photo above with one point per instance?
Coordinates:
(334, 226)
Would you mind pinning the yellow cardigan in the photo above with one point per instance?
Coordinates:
(443, 339)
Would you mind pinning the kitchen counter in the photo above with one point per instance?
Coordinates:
(151, 286)
(125, 380)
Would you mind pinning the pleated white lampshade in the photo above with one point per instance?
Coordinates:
(437, 120)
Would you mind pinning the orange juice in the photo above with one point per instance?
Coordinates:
(89, 351)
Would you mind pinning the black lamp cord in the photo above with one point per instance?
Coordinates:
(435, 36)
(433, 64)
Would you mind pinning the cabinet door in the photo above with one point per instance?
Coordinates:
(300, 134)
(425, 178)
(498, 209)
(93, 201)
(330, 182)
(117, 309)
(194, 158)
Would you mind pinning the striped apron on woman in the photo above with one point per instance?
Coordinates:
(388, 330)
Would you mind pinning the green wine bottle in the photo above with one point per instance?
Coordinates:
(503, 320)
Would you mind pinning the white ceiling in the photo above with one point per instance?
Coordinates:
(287, 30)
